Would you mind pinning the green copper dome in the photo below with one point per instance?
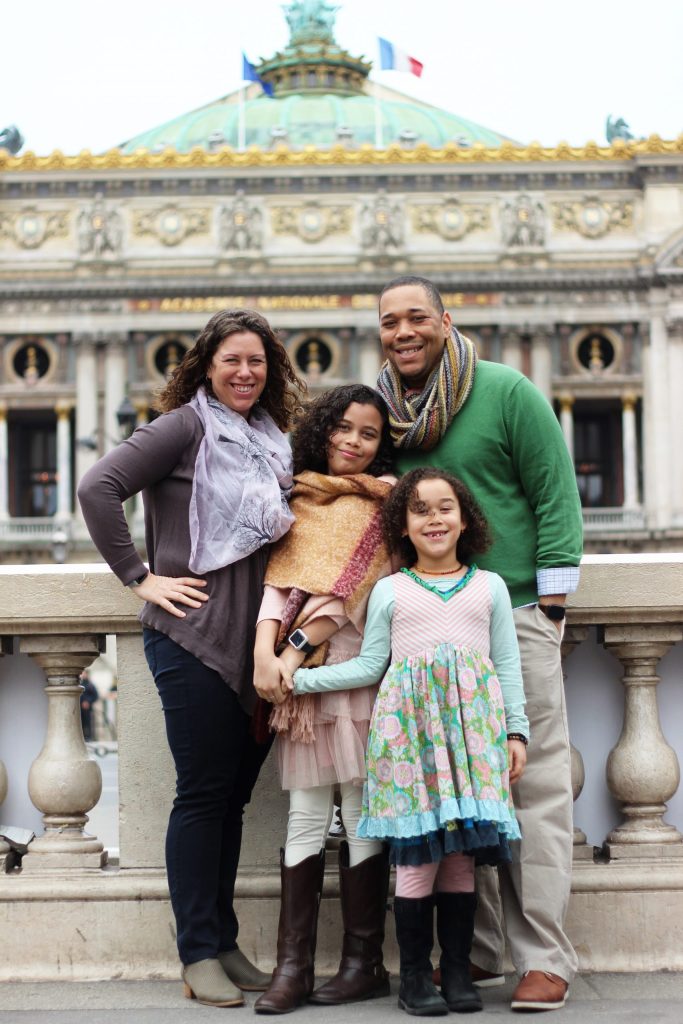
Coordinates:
(321, 98)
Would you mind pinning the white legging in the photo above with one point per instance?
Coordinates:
(310, 814)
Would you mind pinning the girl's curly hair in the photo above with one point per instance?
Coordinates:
(476, 538)
(314, 426)
(281, 396)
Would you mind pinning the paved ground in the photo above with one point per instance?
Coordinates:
(599, 998)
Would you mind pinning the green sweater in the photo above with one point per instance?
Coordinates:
(506, 445)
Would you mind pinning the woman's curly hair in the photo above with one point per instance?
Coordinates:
(281, 396)
(311, 437)
(474, 540)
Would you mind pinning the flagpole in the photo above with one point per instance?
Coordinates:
(241, 126)
(378, 118)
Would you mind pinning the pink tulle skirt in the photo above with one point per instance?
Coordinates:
(341, 725)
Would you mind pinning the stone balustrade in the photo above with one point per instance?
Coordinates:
(71, 914)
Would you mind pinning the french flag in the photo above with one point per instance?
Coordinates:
(249, 74)
(393, 59)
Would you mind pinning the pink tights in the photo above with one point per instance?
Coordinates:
(455, 873)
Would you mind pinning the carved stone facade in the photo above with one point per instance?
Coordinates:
(110, 264)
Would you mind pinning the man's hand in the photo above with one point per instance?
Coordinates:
(516, 759)
(164, 590)
(272, 679)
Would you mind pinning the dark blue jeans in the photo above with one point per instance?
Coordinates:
(217, 763)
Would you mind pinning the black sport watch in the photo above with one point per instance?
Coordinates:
(140, 579)
(300, 641)
(554, 612)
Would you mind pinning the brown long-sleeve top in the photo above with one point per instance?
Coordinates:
(159, 460)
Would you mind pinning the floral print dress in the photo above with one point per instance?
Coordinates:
(437, 765)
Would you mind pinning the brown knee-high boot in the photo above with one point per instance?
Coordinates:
(363, 892)
(293, 976)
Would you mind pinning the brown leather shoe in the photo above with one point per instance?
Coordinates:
(480, 977)
(540, 990)
(485, 979)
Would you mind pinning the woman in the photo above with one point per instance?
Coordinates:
(215, 472)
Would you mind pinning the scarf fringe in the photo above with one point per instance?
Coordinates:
(296, 716)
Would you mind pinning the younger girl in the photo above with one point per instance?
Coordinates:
(448, 732)
(317, 587)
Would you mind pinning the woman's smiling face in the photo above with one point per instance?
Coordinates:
(238, 371)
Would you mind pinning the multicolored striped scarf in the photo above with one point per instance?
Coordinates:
(335, 546)
(420, 419)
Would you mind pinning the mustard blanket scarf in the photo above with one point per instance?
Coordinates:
(334, 547)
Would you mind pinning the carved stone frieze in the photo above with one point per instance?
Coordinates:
(382, 222)
(523, 222)
(30, 227)
(312, 221)
(450, 219)
(240, 225)
(172, 224)
(100, 230)
(592, 216)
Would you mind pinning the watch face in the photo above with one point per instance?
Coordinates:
(298, 638)
(555, 612)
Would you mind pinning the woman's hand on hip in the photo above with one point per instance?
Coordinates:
(164, 590)
(272, 679)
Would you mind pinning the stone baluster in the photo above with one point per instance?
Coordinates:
(64, 783)
(5, 851)
(642, 769)
(573, 636)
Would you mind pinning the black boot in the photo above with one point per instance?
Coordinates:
(363, 892)
(454, 929)
(415, 934)
(292, 981)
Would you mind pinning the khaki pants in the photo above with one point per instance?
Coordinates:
(534, 889)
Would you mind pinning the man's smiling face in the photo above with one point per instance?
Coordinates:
(412, 332)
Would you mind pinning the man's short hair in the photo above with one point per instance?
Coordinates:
(412, 280)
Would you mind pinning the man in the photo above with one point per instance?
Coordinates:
(490, 426)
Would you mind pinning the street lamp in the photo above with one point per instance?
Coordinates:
(59, 543)
(126, 417)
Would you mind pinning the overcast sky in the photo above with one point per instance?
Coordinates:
(77, 74)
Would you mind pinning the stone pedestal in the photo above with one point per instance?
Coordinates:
(64, 783)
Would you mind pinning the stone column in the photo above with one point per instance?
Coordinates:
(138, 522)
(675, 334)
(541, 362)
(567, 419)
(370, 357)
(642, 769)
(512, 350)
(4, 464)
(630, 450)
(656, 434)
(115, 374)
(86, 405)
(64, 783)
(573, 636)
(64, 487)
